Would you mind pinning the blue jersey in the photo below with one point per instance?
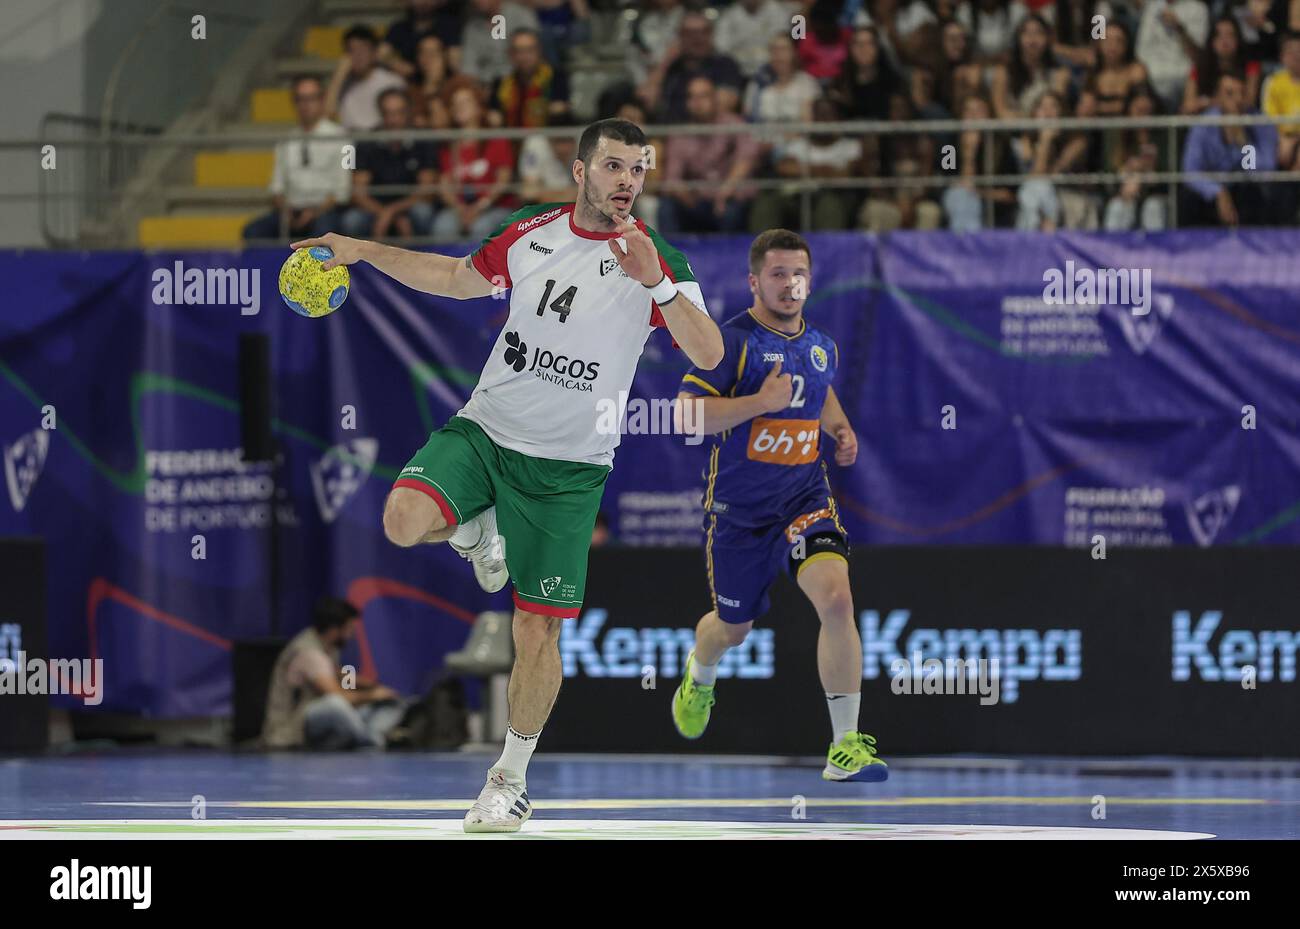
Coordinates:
(765, 470)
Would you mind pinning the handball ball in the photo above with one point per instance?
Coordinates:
(309, 291)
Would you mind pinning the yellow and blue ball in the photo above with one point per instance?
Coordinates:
(308, 290)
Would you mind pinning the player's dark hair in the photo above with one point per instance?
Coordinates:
(620, 130)
(331, 613)
(362, 32)
(776, 240)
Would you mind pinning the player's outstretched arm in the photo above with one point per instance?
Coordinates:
(836, 422)
(432, 274)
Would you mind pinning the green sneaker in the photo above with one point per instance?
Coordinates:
(691, 703)
(853, 758)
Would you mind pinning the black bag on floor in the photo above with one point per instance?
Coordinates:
(440, 721)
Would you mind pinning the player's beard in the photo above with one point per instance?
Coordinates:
(605, 209)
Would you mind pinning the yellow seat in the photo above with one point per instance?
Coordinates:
(323, 41)
(214, 229)
(273, 105)
(233, 169)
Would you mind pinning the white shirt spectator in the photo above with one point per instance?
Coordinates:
(538, 165)
(839, 153)
(744, 34)
(483, 57)
(308, 172)
(991, 33)
(774, 103)
(656, 30)
(359, 101)
(1159, 49)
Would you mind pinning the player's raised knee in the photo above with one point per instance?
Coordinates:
(736, 633)
(409, 516)
(534, 631)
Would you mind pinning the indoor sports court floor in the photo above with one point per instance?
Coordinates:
(404, 796)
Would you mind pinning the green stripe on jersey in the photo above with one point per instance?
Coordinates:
(677, 263)
(527, 212)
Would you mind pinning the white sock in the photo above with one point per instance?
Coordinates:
(844, 713)
(706, 674)
(517, 752)
(468, 534)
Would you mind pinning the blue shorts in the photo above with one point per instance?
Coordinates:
(744, 561)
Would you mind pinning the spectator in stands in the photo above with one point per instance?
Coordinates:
(358, 81)
(692, 56)
(1131, 151)
(1222, 149)
(307, 705)
(1282, 98)
(563, 23)
(1074, 28)
(1263, 22)
(433, 73)
(722, 163)
(1115, 72)
(817, 157)
(1169, 38)
(475, 176)
(956, 75)
(546, 164)
(308, 182)
(389, 164)
(535, 91)
(1031, 70)
(439, 18)
(964, 202)
(780, 92)
(482, 46)
(1038, 154)
(655, 35)
(991, 25)
(907, 29)
(1222, 53)
(825, 46)
(745, 30)
(867, 82)
(908, 155)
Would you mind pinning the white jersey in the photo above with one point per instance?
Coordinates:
(576, 329)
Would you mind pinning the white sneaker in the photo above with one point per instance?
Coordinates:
(502, 806)
(487, 555)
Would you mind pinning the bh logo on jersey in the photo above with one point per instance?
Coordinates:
(783, 441)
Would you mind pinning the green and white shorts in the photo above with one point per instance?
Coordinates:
(546, 509)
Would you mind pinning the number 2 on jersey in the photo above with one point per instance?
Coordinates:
(561, 304)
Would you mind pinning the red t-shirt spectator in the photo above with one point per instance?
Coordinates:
(823, 60)
(473, 165)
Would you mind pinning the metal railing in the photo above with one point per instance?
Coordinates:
(120, 146)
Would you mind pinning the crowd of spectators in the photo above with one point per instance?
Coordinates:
(751, 67)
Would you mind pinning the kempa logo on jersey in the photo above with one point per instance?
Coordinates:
(1272, 653)
(566, 372)
(540, 248)
(1022, 654)
(588, 648)
(537, 220)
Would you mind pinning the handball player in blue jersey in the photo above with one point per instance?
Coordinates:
(768, 505)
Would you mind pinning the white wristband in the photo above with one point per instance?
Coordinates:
(664, 291)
